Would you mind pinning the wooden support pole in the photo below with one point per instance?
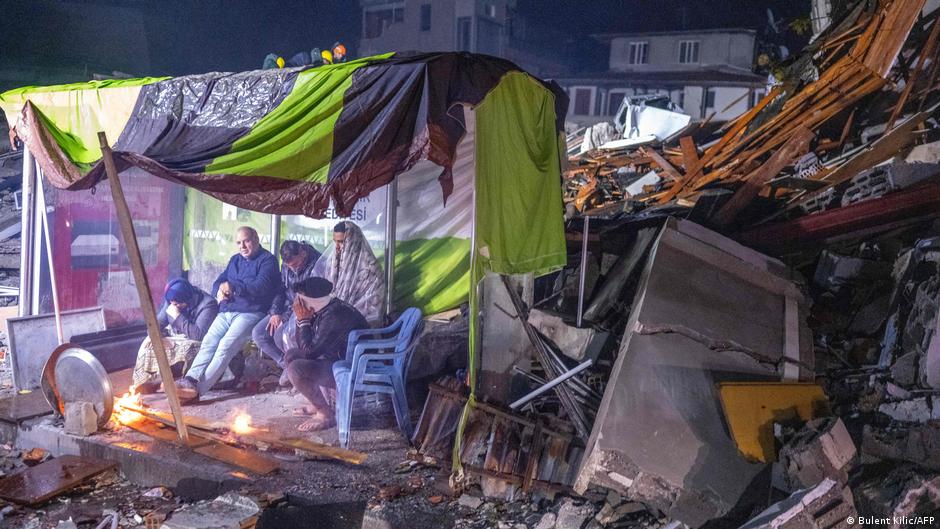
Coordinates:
(143, 287)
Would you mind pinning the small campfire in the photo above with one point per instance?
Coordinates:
(233, 441)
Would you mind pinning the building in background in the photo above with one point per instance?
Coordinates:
(490, 27)
(705, 72)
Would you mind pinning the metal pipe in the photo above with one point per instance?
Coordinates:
(391, 225)
(583, 278)
(275, 233)
(554, 382)
(41, 202)
(26, 234)
(36, 254)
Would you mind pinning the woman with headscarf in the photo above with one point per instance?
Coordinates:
(354, 271)
(185, 316)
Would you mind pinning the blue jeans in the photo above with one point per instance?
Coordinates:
(224, 339)
(271, 345)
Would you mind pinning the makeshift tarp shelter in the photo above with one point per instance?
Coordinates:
(298, 141)
(293, 141)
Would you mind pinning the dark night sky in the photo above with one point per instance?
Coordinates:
(227, 35)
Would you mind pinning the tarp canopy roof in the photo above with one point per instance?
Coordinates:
(281, 141)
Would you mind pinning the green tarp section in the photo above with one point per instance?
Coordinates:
(518, 178)
(295, 141)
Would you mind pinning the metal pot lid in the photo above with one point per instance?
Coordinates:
(77, 377)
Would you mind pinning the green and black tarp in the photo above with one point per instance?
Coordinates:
(303, 141)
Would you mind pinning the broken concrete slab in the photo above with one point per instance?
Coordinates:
(823, 449)
(659, 437)
(229, 511)
(913, 410)
(80, 418)
(903, 492)
(916, 444)
(575, 343)
(572, 515)
(826, 506)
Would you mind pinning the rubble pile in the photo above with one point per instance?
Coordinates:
(638, 347)
(813, 143)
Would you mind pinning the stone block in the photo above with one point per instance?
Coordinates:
(823, 449)
(80, 418)
(825, 506)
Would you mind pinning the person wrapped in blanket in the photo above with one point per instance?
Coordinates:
(185, 317)
(352, 268)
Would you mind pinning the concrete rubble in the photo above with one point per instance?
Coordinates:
(902, 492)
(229, 511)
(80, 418)
(823, 450)
(827, 505)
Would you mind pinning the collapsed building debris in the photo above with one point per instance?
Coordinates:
(812, 144)
(664, 379)
(900, 493)
(829, 505)
(822, 450)
(915, 444)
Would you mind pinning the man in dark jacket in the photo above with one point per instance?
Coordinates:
(244, 291)
(323, 325)
(185, 316)
(272, 333)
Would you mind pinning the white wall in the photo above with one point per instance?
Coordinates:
(715, 49)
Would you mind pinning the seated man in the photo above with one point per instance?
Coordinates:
(323, 325)
(356, 274)
(297, 260)
(185, 315)
(244, 291)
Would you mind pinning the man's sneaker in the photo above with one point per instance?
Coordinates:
(186, 388)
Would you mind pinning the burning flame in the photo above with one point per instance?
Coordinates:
(242, 424)
(121, 412)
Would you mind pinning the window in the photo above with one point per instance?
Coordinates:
(614, 100)
(583, 100)
(376, 21)
(490, 10)
(639, 53)
(688, 51)
(425, 17)
(709, 98)
(463, 33)
(756, 96)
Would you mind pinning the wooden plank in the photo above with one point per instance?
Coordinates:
(928, 50)
(689, 153)
(37, 484)
(667, 167)
(156, 430)
(208, 428)
(796, 146)
(332, 452)
(143, 286)
(239, 457)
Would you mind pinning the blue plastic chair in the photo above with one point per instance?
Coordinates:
(382, 371)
